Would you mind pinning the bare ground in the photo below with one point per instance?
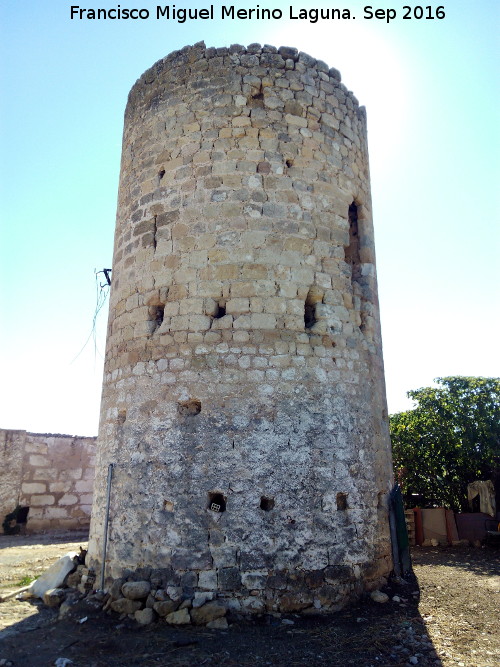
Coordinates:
(448, 615)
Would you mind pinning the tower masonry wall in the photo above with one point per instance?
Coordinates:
(244, 404)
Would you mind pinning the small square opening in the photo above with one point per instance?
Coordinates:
(341, 501)
(221, 311)
(266, 503)
(216, 502)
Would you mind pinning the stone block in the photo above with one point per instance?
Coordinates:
(229, 578)
(190, 560)
(125, 606)
(68, 499)
(254, 580)
(253, 605)
(33, 487)
(70, 473)
(41, 500)
(165, 607)
(291, 602)
(56, 513)
(200, 597)
(38, 460)
(207, 613)
(237, 306)
(180, 617)
(59, 487)
(54, 596)
(36, 447)
(136, 590)
(144, 616)
(263, 321)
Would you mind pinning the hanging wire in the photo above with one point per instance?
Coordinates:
(102, 292)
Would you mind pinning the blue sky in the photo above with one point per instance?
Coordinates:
(431, 92)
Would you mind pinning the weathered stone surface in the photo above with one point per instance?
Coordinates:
(208, 612)
(54, 596)
(295, 602)
(208, 580)
(72, 598)
(73, 579)
(254, 580)
(144, 616)
(180, 617)
(54, 576)
(253, 605)
(243, 378)
(115, 589)
(136, 590)
(201, 597)
(165, 607)
(229, 578)
(125, 606)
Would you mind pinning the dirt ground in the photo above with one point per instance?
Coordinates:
(448, 615)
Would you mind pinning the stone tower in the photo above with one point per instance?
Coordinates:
(244, 403)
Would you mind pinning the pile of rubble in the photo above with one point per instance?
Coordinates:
(68, 581)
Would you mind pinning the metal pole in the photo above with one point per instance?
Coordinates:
(106, 519)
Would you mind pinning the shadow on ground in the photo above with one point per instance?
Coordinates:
(364, 635)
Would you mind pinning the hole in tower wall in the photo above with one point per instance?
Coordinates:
(15, 522)
(341, 502)
(22, 515)
(221, 311)
(289, 163)
(189, 407)
(381, 500)
(266, 503)
(310, 310)
(161, 174)
(216, 502)
(256, 99)
(156, 314)
(351, 252)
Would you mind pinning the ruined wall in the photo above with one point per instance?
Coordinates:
(244, 403)
(52, 475)
(12, 445)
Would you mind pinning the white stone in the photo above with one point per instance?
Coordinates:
(180, 617)
(54, 576)
(378, 596)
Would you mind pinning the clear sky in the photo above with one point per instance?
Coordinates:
(431, 91)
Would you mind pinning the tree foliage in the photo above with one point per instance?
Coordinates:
(451, 438)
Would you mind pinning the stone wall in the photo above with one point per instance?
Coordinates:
(52, 475)
(12, 446)
(243, 403)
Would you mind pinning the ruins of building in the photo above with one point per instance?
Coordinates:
(244, 429)
(47, 478)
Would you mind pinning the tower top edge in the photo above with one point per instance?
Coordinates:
(267, 56)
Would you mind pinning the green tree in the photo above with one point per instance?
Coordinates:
(450, 438)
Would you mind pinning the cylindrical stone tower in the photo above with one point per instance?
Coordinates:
(244, 403)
